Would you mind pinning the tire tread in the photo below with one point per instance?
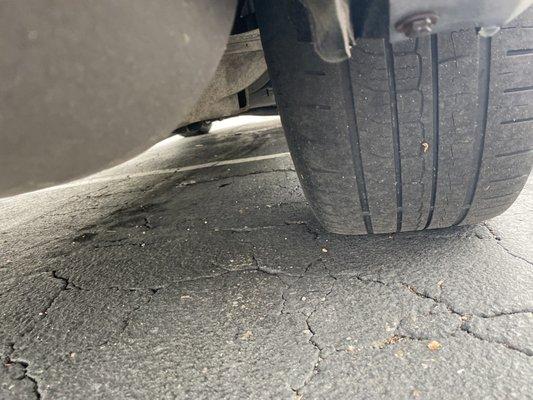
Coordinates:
(400, 137)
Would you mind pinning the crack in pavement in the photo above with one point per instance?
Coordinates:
(279, 274)
(396, 337)
(9, 362)
(319, 351)
(129, 315)
(464, 317)
(499, 239)
(510, 346)
(67, 283)
(50, 303)
(320, 355)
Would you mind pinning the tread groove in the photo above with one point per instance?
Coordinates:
(519, 52)
(516, 121)
(514, 153)
(435, 89)
(389, 59)
(508, 179)
(518, 89)
(353, 133)
(500, 196)
(481, 125)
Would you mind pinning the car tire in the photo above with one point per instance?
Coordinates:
(194, 129)
(426, 133)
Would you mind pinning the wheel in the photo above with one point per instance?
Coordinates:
(194, 129)
(427, 133)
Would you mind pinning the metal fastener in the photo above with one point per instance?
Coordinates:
(416, 25)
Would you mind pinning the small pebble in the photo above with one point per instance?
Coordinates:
(434, 345)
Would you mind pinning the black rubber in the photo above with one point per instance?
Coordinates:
(194, 129)
(427, 133)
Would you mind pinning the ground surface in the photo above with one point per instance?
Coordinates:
(216, 282)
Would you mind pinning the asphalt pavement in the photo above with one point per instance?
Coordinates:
(197, 270)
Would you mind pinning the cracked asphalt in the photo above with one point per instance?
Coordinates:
(151, 281)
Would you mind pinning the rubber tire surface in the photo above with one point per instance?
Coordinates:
(194, 129)
(427, 133)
